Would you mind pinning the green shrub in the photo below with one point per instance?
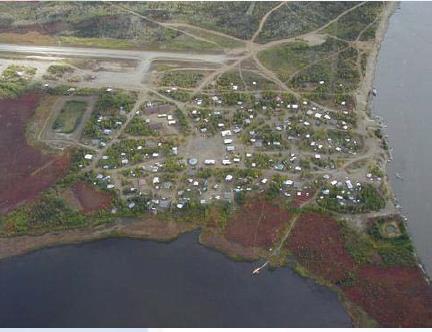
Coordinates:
(50, 212)
(139, 127)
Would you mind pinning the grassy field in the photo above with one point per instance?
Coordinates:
(288, 59)
(97, 42)
(70, 116)
(357, 24)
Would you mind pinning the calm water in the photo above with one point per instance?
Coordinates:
(121, 282)
(404, 83)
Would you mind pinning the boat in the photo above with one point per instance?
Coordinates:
(399, 176)
(374, 91)
(258, 269)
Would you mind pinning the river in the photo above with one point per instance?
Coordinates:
(134, 283)
(404, 83)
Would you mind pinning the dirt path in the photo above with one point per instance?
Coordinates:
(40, 169)
(273, 77)
(115, 138)
(258, 224)
(252, 50)
(163, 24)
(277, 250)
(316, 62)
(217, 73)
(263, 21)
(314, 32)
(175, 25)
(293, 222)
(216, 33)
(284, 238)
(339, 16)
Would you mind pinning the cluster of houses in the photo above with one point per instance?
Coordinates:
(166, 194)
(345, 192)
(305, 116)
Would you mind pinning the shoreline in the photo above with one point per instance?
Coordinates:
(364, 97)
(142, 228)
(363, 94)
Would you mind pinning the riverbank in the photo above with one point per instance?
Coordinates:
(364, 101)
(364, 94)
(403, 104)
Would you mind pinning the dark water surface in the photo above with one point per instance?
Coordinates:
(123, 282)
(404, 83)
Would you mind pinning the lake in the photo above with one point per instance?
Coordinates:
(135, 283)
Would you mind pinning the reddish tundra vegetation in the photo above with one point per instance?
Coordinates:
(257, 223)
(89, 198)
(396, 296)
(317, 243)
(25, 170)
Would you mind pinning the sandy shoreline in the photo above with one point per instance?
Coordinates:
(363, 93)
